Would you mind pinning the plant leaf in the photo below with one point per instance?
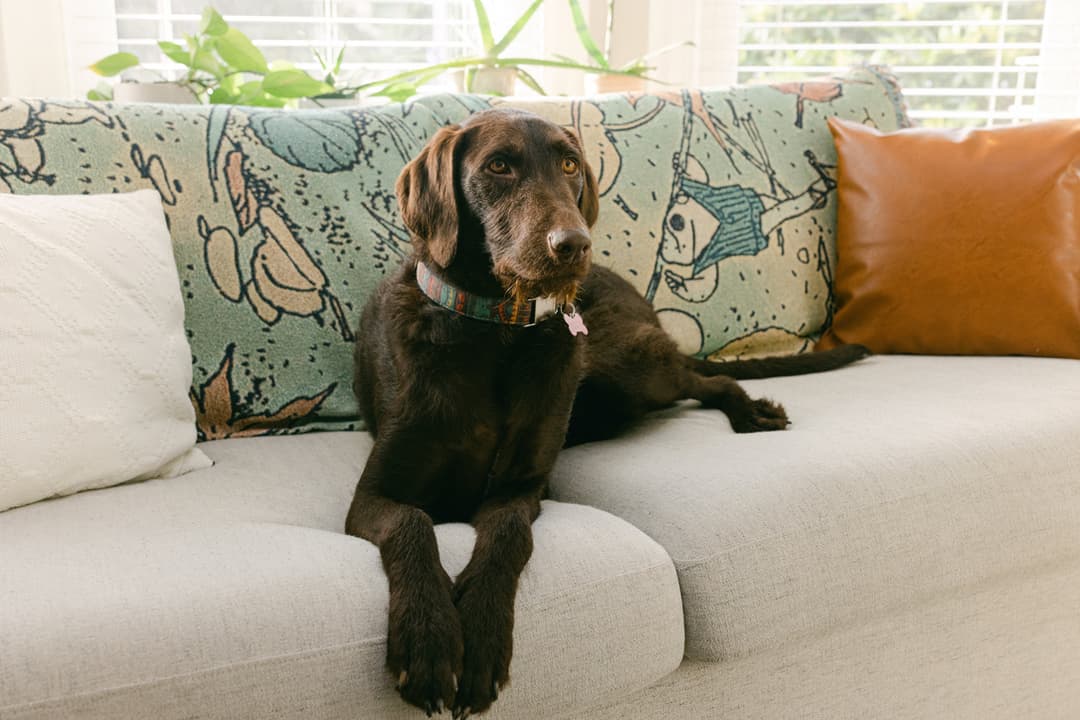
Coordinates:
(102, 93)
(665, 49)
(636, 67)
(114, 64)
(223, 96)
(426, 75)
(529, 80)
(175, 52)
(515, 29)
(294, 84)
(232, 83)
(212, 23)
(203, 59)
(397, 92)
(237, 50)
(252, 93)
(540, 62)
(585, 36)
(485, 26)
(401, 90)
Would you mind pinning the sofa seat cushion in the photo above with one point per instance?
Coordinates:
(232, 593)
(901, 480)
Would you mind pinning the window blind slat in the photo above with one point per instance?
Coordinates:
(958, 60)
(379, 38)
(294, 19)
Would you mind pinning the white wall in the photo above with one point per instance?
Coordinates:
(1058, 88)
(645, 26)
(712, 25)
(33, 51)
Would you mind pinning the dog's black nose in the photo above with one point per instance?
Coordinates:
(569, 246)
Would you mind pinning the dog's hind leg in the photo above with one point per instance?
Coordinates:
(640, 370)
(745, 413)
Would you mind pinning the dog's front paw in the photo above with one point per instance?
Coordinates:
(487, 624)
(760, 416)
(425, 649)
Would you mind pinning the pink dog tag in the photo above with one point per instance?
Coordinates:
(575, 323)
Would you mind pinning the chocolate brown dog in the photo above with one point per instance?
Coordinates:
(471, 385)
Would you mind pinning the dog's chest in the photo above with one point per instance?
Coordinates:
(508, 405)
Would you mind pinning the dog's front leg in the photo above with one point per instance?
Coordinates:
(424, 643)
(484, 594)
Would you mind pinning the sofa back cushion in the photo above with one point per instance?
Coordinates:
(718, 206)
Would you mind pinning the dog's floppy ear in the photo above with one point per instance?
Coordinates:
(589, 202)
(427, 195)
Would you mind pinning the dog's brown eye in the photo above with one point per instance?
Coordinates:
(498, 166)
(569, 166)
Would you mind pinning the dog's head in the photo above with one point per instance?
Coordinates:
(523, 182)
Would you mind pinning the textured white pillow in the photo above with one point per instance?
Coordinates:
(94, 363)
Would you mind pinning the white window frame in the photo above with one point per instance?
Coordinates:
(1057, 89)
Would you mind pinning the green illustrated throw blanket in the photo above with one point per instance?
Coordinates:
(719, 206)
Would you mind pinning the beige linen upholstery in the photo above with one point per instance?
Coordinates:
(234, 591)
(902, 480)
(1005, 651)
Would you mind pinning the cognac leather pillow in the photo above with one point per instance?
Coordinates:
(962, 242)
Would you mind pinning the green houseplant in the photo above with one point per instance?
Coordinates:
(491, 71)
(223, 66)
(630, 76)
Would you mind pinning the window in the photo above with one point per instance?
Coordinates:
(960, 62)
(380, 37)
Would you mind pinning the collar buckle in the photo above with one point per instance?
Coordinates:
(544, 307)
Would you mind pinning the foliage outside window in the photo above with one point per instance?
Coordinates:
(959, 63)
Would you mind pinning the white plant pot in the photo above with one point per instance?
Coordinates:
(167, 93)
(600, 84)
(487, 80)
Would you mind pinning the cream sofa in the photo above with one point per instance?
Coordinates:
(909, 548)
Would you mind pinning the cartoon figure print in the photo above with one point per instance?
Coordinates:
(706, 223)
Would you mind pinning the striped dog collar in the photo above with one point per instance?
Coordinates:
(498, 310)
